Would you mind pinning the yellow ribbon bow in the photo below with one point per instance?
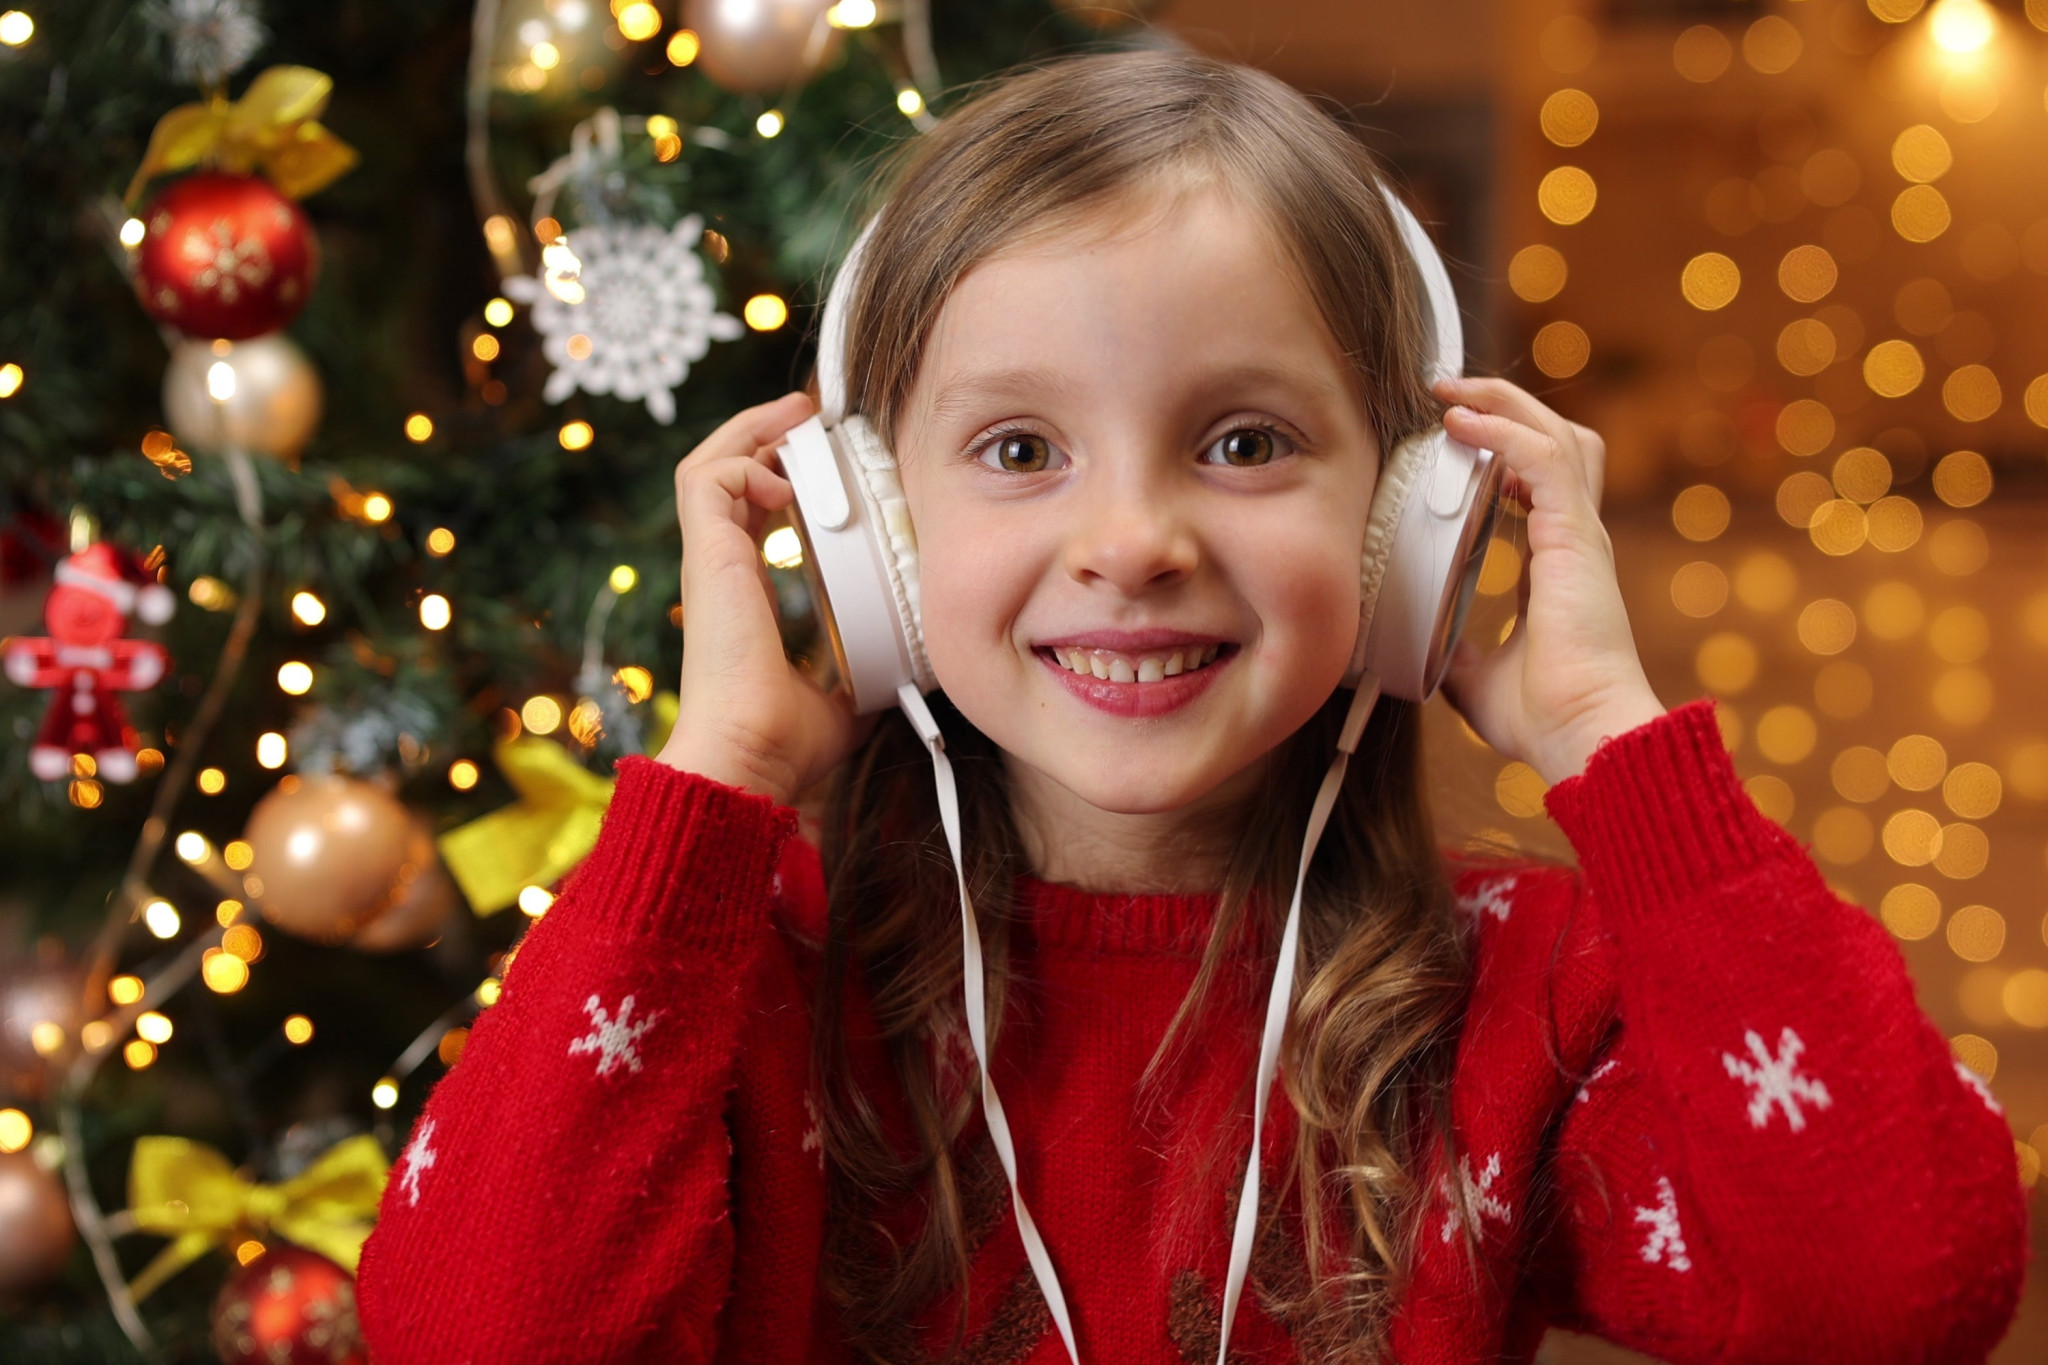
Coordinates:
(186, 1190)
(541, 837)
(274, 125)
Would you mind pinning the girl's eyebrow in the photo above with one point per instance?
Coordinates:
(1025, 383)
(977, 388)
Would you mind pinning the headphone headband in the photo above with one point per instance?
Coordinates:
(1438, 299)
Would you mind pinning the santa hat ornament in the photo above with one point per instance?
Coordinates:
(100, 569)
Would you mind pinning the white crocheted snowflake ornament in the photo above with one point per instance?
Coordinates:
(644, 313)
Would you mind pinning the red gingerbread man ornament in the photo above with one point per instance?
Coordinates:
(87, 662)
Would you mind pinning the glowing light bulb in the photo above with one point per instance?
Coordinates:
(132, 232)
(769, 124)
(220, 381)
(384, 1094)
(1962, 25)
(16, 28)
(272, 749)
(161, 917)
(308, 609)
(783, 549)
(498, 312)
(623, 578)
(909, 102)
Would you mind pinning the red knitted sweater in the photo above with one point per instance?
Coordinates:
(1696, 1108)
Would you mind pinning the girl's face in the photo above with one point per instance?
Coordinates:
(1134, 450)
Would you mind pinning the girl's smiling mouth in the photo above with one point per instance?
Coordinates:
(1136, 673)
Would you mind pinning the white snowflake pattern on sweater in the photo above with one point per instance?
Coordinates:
(1666, 1242)
(1775, 1081)
(1478, 1196)
(1976, 1083)
(1490, 898)
(615, 1040)
(418, 1156)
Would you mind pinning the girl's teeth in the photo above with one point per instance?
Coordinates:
(1122, 668)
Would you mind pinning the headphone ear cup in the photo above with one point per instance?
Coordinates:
(1432, 514)
(881, 488)
(860, 557)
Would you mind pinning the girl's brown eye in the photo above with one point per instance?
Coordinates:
(1023, 453)
(1245, 446)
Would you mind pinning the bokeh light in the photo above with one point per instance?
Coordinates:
(1538, 273)
(1569, 117)
(1567, 195)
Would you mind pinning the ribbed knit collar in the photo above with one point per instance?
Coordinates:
(1067, 918)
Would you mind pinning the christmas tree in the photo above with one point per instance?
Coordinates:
(367, 337)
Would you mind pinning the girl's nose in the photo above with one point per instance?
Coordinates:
(1132, 536)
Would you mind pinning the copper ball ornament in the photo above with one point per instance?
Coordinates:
(425, 898)
(330, 854)
(36, 1233)
(225, 256)
(273, 409)
(289, 1306)
(763, 47)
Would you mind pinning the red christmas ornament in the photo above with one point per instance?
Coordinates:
(86, 661)
(289, 1306)
(225, 256)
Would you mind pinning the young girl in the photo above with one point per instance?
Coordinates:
(1139, 329)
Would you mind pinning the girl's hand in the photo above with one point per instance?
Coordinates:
(1568, 675)
(746, 717)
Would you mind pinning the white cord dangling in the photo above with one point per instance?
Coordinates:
(1278, 1001)
(927, 727)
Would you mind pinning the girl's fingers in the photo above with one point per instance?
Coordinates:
(754, 432)
(1542, 473)
(1579, 447)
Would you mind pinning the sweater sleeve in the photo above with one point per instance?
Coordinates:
(569, 1191)
(1777, 1158)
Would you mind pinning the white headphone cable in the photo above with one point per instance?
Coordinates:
(1277, 1002)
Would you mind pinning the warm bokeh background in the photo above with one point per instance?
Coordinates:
(1791, 260)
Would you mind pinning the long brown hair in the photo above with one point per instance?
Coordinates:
(1385, 962)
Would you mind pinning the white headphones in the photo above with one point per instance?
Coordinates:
(1432, 513)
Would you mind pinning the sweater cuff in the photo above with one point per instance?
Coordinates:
(1659, 813)
(683, 858)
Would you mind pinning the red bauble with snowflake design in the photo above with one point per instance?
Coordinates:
(225, 256)
(289, 1306)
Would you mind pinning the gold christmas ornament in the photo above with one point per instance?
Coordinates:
(768, 47)
(331, 855)
(261, 396)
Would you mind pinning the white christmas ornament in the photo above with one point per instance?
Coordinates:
(644, 313)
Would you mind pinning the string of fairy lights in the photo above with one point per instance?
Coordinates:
(233, 945)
